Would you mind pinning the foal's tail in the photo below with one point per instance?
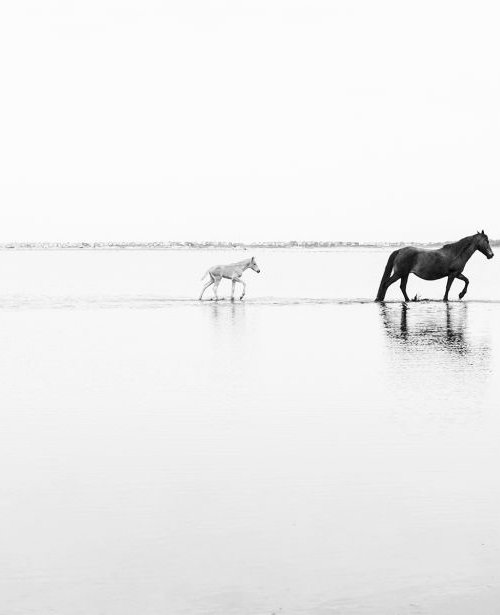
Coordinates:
(387, 274)
(205, 274)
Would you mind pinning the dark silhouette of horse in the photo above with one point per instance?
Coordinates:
(448, 261)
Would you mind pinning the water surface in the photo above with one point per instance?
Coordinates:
(304, 452)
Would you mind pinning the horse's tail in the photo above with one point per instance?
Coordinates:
(387, 274)
(205, 274)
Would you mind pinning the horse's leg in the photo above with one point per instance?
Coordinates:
(244, 289)
(464, 279)
(232, 289)
(448, 286)
(404, 281)
(209, 283)
(394, 278)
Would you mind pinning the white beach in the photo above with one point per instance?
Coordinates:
(303, 452)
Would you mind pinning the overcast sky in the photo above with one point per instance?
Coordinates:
(248, 120)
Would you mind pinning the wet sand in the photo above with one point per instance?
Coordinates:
(297, 453)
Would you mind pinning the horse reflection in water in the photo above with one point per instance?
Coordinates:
(439, 329)
(437, 352)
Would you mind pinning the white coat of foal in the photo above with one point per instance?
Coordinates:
(232, 272)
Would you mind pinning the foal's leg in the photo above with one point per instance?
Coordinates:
(209, 283)
(464, 279)
(232, 289)
(244, 288)
(216, 286)
(404, 281)
(448, 286)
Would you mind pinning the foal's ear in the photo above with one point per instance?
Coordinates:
(482, 232)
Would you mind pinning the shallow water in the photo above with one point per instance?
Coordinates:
(299, 452)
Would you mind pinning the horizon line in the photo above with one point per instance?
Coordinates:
(96, 245)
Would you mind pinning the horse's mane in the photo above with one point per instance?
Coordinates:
(459, 246)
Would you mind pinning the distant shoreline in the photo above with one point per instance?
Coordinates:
(212, 245)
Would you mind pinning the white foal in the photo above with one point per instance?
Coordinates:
(232, 272)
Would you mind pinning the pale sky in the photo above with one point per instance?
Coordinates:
(249, 120)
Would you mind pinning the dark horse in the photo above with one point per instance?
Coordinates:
(449, 261)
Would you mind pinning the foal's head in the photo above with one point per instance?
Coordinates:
(483, 244)
(253, 265)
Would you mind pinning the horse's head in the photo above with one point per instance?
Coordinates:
(253, 265)
(483, 244)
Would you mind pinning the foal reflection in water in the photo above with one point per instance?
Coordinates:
(449, 261)
(232, 272)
